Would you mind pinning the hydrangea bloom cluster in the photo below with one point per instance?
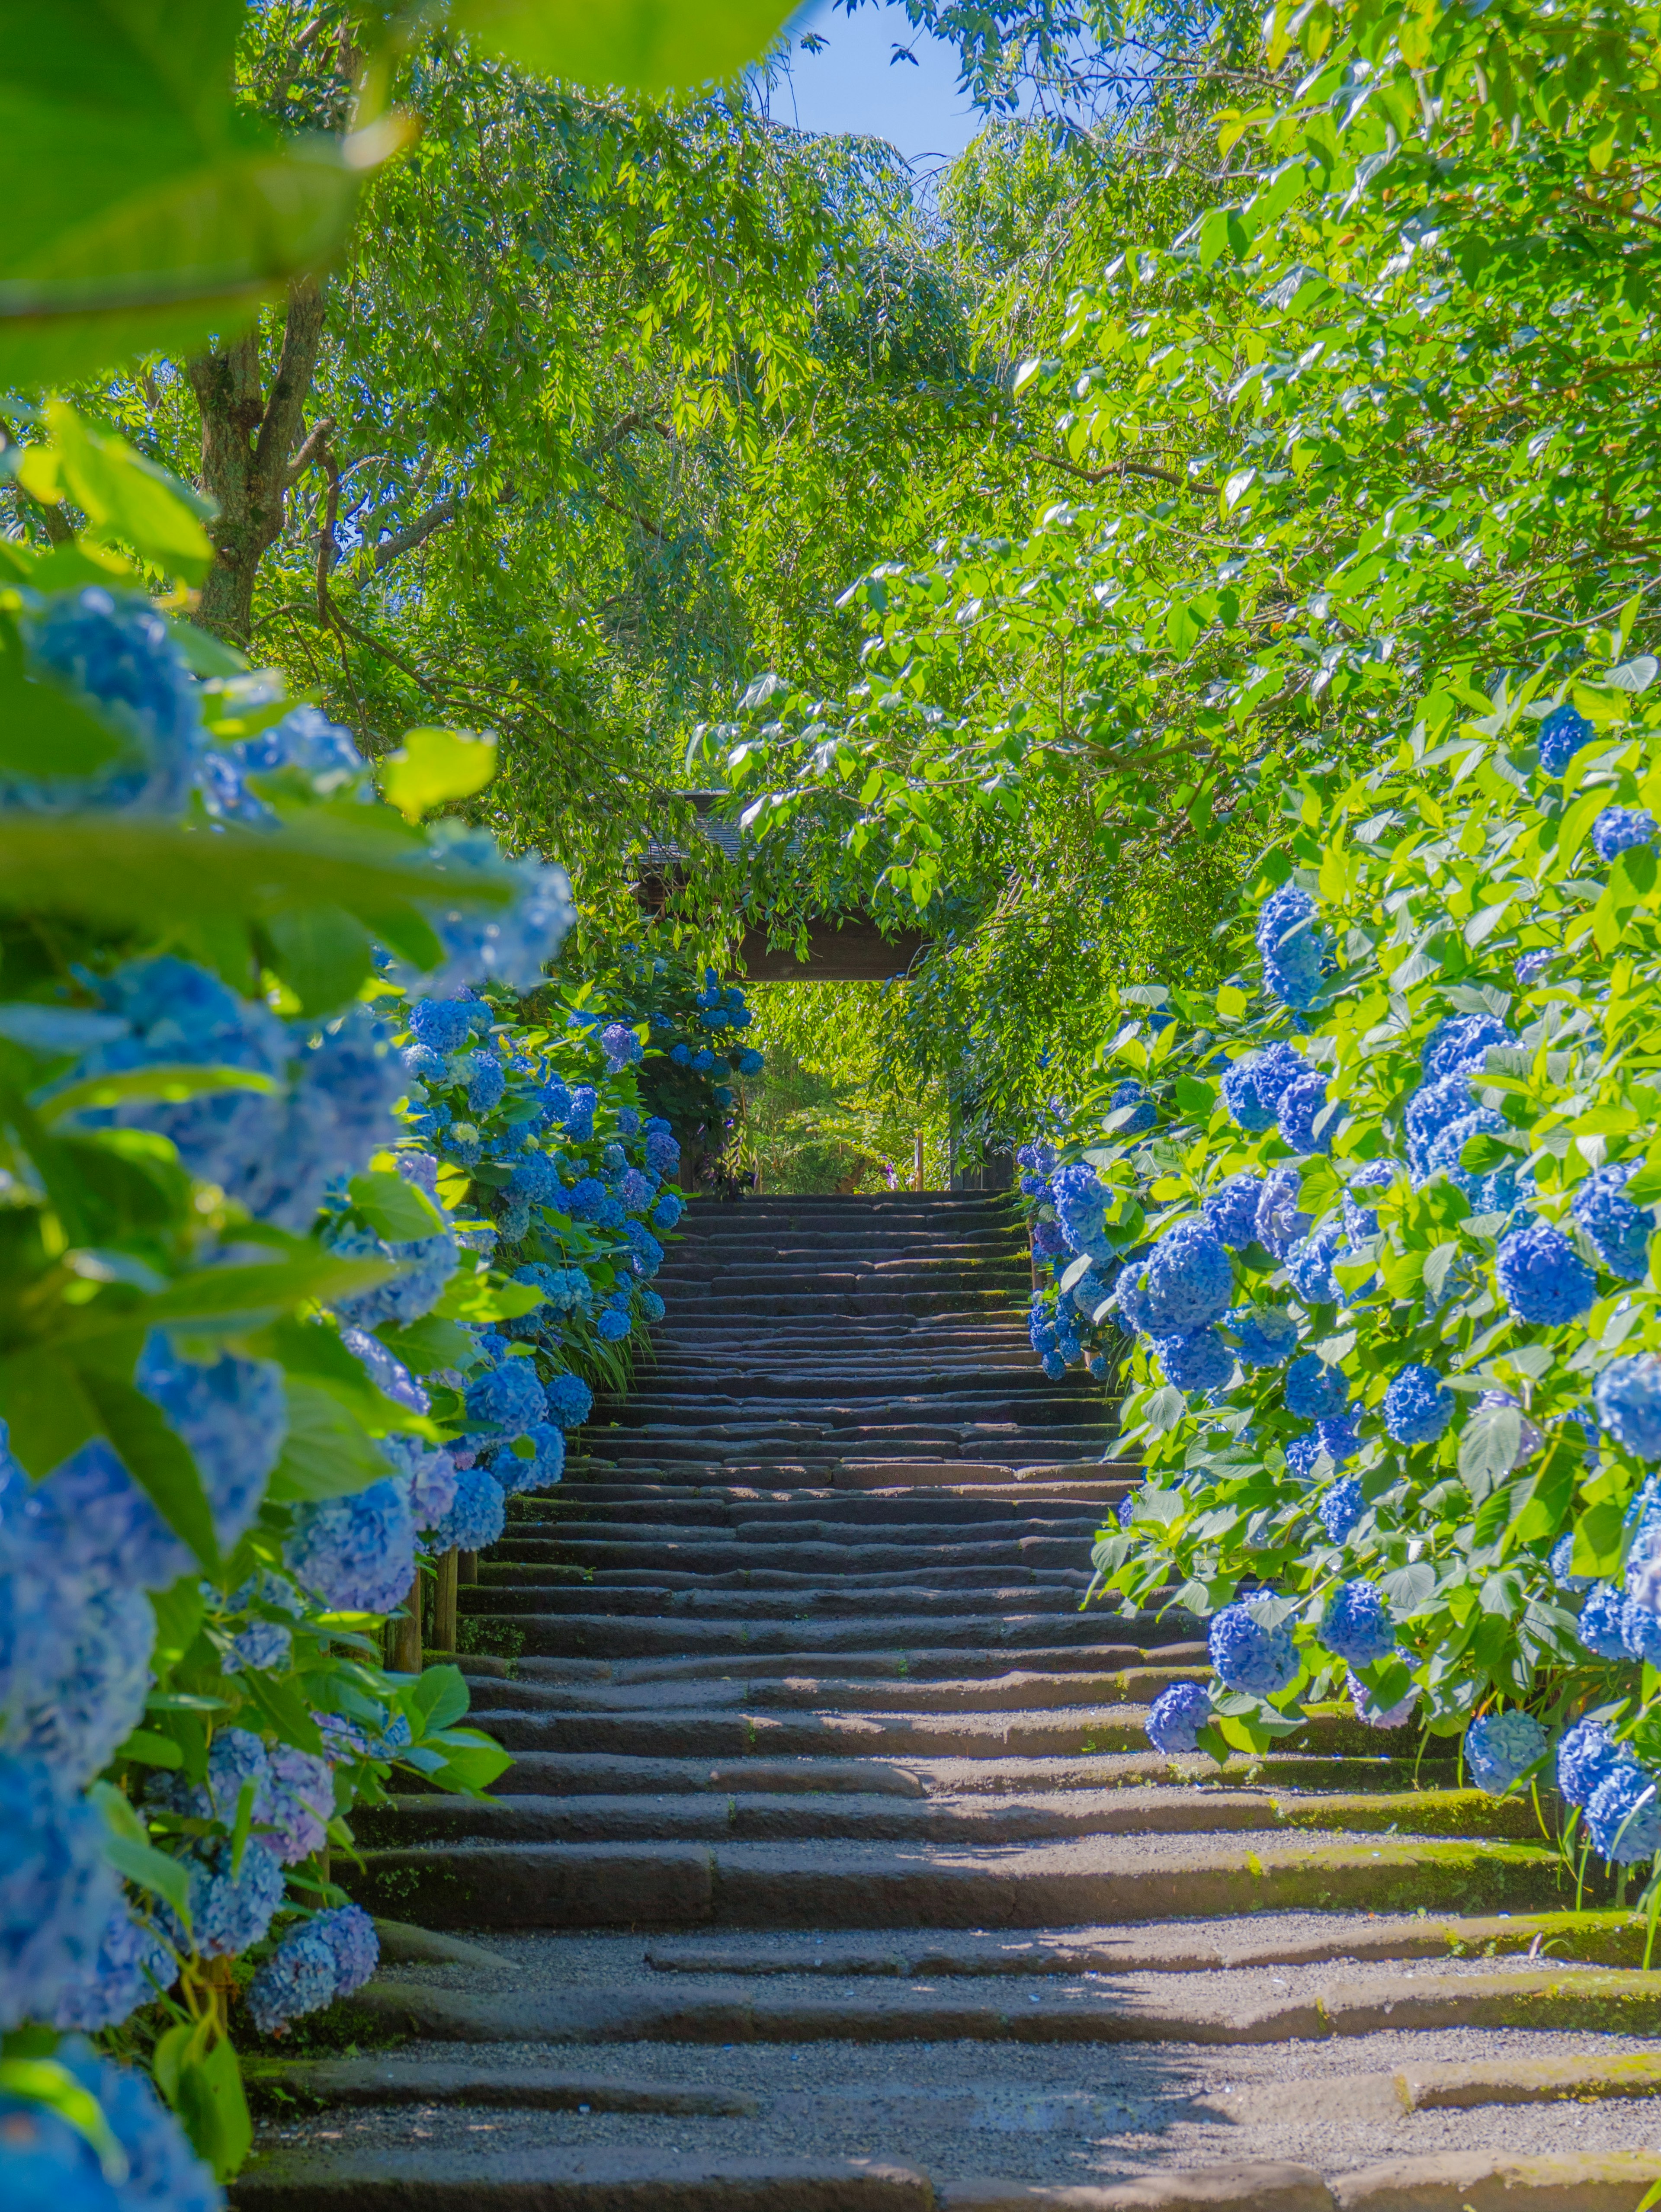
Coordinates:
(328, 1957)
(1248, 1656)
(1620, 828)
(1418, 1405)
(1176, 1717)
(1619, 1231)
(1291, 945)
(1501, 1747)
(1542, 1277)
(1357, 1624)
(1254, 1086)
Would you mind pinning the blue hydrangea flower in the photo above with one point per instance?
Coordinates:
(1562, 1553)
(645, 1253)
(1562, 733)
(1303, 1454)
(1291, 947)
(1619, 1231)
(52, 2168)
(1623, 1814)
(1460, 1044)
(231, 1911)
(1302, 1104)
(652, 1308)
(540, 1470)
(306, 740)
(1600, 1623)
(636, 1190)
(570, 1400)
(1619, 829)
(132, 1965)
(1232, 1209)
(1340, 1506)
(427, 1474)
(298, 1977)
(264, 1647)
(1531, 966)
(75, 1667)
(1054, 1366)
(1176, 1717)
(57, 1894)
(1586, 1755)
(1132, 1099)
(511, 944)
(1199, 1361)
(1253, 1086)
(1264, 1336)
(620, 1045)
(477, 1519)
(485, 1077)
(1248, 1656)
(1339, 1440)
(1188, 1281)
(300, 1803)
(662, 1153)
(357, 1553)
(1501, 1747)
(1373, 1717)
(1434, 1108)
(350, 1934)
(115, 650)
(1418, 1405)
(1361, 1222)
(1081, 1202)
(510, 1396)
(1314, 1390)
(1542, 1277)
(338, 1116)
(1309, 1263)
(1444, 1153)
(1640, 1631)
(1357, 1624)
(1627, 1399)
(1280, 1224)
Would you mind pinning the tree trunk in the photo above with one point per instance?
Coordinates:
(249, 438)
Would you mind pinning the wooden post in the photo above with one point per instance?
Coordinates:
(466, 1566)
(444, 1603)
(406, 1633)
(917, 1184)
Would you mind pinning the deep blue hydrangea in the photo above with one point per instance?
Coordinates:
(1132, 1099)
(1339, 1440)
(1562, 1555)
(1248, 1656)
(620, 1045)
(1623, 1814)
(1254, 1086)
(510, 1396)
(1627, 1397)
(645, 1253)
(476, 1519)
(115, 650)
(1501, 1747)
(50, 2167)
(357, 1553)
(1619, 1231)
(298, 1977)
(1054, 1366)
(569, 1400)
(752, 1062)
(1199, 1361)
(1562, 733)
(1460, 1044)
(1434, 1108)
(1187, 1281)
(1081, 1202)
(1302, 1104)
(1600, 1623)
(446, 1024)
(1314, 1390)
(231, 1911)
(1418, 1405)
(1357, 1624)
(1303, 1454)
(652, 1308)
(662, 1152)
(1619, 829)
(264, 1647)
(1361, 1222)
(1264, 1336)
(1291, 947)
(1542, 1277)
(1176, 1717)
(613, 1323)
(585, 1198)
(132, 1965)
(1309, 1263)
(485, 1077)
(1586, 1755)
(540, 1468)
(636, 1190)
(1280, 1224)
(1531, 966)
(300, 1803)
(1444, 1155)
(75, 1667)
(1232, 1210)
(510, 945)
(57, 1894)
(1640, 1630)
(1340, 1506)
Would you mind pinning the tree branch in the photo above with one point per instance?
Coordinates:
(1114, 469)
(309, 452)
(405, 541)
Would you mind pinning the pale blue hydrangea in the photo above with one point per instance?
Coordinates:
(114, 650)
(1586, 1755)
(667, 1210)
(264, 1647)
(1302, 1105)
(75, 1667)
(1291, 947)
(57, 1893)
(1357, 1624)
(1188, 1281)
(306, 740)
(1340, 1507)
(652, 1308)
(1176, 1717)
(1131, 1099)
(1542, 1278)
(424, 1264)
(621, 1046)
(1315, 1390)
(1280, 1224)
(232, 1412)
(1640, 1631)
(50, 2167)
(1460, 1044)
(1444, 1154)
(447, 1024)
(1623, 1814)
(540, 1470)
(645, 1253)
(1621, 829)
(1303, 1454)
(1501, 1747)
(1361, 1222)
(357, 1553)
(477, 1518)
(1309, 1263)
(1081, 1202)
(1600, 1623)
(1562, 1555)
(1627, 1398)
(511, 945)
(1531, 966)
(427, 1474)
(1248, 1656)
(1562, 733)
(1418, 1405)
(385, 1371)
(1264, 1336)
(300, 1803)
(662, 1152)
(338, 1116)
(230, 1912)
(298, 1977)
(569, 1400)
(131, 1966)
(1619, 1231)
(1375, 1717)
(1254, 1086)
(1232, 1209)
(1197, 1361)
(350, 1934)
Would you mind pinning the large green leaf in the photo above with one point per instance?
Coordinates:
(394, 1209)
(650, 44)
(232, 1297)
(328, 1453)
(43, 731)
(128, 500)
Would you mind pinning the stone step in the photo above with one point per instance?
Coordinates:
(1012, 1690)
(856, 1624)
(823, 1601)
(852, 1666)
(831, 1885)
(1066, 1521)
(786, 1549)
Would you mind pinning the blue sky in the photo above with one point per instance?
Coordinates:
(851, 85)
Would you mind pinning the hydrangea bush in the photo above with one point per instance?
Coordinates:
(1405, 1453)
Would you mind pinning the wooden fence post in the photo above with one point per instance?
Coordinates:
(444, 1603)
(406, 1633)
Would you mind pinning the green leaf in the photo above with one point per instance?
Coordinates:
(146, 1748)
(152, 1870)
(471, 1766)
(212, 2104)
(639, 44)
(436, 1698)
(128, 499)
(1488, 1446)
(400, 1211)
(327, 1453)
(314, 1350)
(43, 730)
(432, 766)
(428, 1344)
(160, 1080)
(1598, 1536)
(322, 953)
(235, 1297)
(155, 1455)
(48, 1413)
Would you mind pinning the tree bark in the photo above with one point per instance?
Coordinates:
(248, 437)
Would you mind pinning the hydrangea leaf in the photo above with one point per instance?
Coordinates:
(43, 730)
(432, 766)
(395, 1209)
(129, 500)
(328, 1452)
(641, 43)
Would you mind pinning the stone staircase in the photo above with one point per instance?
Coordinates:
(834, 1868)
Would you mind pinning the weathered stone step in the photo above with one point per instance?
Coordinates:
(842, 1885)
(853, 1666)
(672, 1504)
(742, 1604)
(859, 1625)
(786, 1548)
(844, 1536)
(1013, 1690)
(506, 1574)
